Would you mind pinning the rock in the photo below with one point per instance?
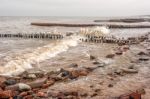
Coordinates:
(10, 82)
(133, 95)
(74, 74)
(78, 72)
(6, 94)
(49, 83)
(83, 94)
(148, 48)
(142, 53)
(41, 94)
(129, 70)
(141, 91)
(73, 65)
(118, 72)
(101, 64)
(94, 94)
(65, 73)
(118, 52)
(110, 56)
(18, 97)
(23, 94)
(29, 97)
(2, 80)
(97, 90)
(13, 87)
(131, 67)
(96, 62)
(110, 85)
(55, 94)
(38, 83)
(92, 57)
(83, 72)
(144, 58)
(126, 48)
(24, 87)
(31, 76)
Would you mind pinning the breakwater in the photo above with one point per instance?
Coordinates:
(113, 39)
(89, 25)
(32, 35)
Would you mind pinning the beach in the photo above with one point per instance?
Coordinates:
(71, 68)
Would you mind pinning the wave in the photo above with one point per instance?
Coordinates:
(23, 62)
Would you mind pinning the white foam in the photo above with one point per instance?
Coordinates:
(23, 62)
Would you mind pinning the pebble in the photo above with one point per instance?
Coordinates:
(41, 94)
(110, 85)
(144, 58)
(142, 53)
(37, 83)
(65, 73)
(129, 70)
(96, 62)
(119, 52)
(73, 65)
(6, 94)
(110, 56)
(49, 83)
(17, 97)
(2, 80)
(23, 94)
(29, 97)
(31, 76)
(92, 57)
(141, 91)
(10, 82)
(24, 87)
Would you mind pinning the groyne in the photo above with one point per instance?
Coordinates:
(89, 25)
(32, 35)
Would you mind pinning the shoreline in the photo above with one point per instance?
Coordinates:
(91, 78)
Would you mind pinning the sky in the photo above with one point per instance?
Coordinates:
(74, 7)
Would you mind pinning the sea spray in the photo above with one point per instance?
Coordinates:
(23, 62)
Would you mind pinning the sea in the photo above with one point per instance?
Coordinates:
(18, 54)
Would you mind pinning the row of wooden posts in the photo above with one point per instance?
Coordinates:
(33, 35)
(88, 38)
(112, 39)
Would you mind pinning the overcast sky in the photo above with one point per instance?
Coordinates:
(74, 7)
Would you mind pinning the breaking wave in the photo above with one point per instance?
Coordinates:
(20, 63)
